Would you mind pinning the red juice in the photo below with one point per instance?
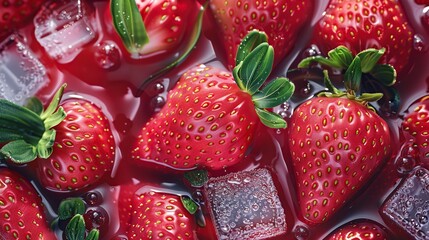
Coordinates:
(104, 73)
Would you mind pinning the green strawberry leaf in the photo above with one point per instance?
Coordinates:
(189, 204)
(28, 134)
(70, 207)
(34, 105)
(341, 57)
(271, 119)
(19, 151)
(197, 178)
(94, 234)
(75, 229)
(384, 73)
(256, 67)
(370, 97)
(248, 44)
(19, 123)
(353, 76)
(275, 93)
(369, 58)
(129, 24)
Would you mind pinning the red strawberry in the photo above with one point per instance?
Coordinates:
(166, 25)
(416, 127)
(73, 143)
(15, 14)
(336, 142)
(21, 210)
(360, 25)
(208, 120)
(280, 20)
(422, 2)
(147, 214)
(359, 230)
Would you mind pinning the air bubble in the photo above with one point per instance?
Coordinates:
(108, 55)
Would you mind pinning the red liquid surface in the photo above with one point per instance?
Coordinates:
(117, 92)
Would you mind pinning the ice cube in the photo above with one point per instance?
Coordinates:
(245, 205)
(21, 73)
(63, 28)
(408, 205)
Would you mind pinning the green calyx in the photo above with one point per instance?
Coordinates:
(28, 131)
(363, 66)
(254, 62)
(72, 210)
(364, 63)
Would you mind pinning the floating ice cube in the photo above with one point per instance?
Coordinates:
(21, 73)
(63, 28)
(245, 205)
(408, 206)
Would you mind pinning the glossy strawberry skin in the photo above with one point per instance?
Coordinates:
(423, 2)
(145, 214)
(336, 145)
(21, 210)
(280, 20)
(84, 149)
(360, 25)
(15, 14)
(416, 128)
(168, 25)
(359, 230)
(207, 121)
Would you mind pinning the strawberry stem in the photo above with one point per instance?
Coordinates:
(28, 134)
(195, 35)
(254, 60)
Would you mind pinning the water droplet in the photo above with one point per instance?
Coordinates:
(419, 43)
(301, 232)
(313, 50)
(108, 55)
(425, 18)
(404, 164)
(157, 103)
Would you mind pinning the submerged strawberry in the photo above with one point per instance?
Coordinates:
(146, 214)
(361, 229)
(21, 210)
(416, 127)
(337, 142)
(280, 20)
(209, 119)
(15, 14)
(360, 25)
(73, 143)
(154, 27)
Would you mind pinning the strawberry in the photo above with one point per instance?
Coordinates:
(21, 210)
(208, 120)
(422, 2)
(280, 20)
(336, 143)
(149, 214)
(16, 14)
(73, 143)
(416, 128)
(361, 229)
(159, 26)
(359, 25)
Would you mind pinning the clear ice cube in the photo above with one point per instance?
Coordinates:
(63, 28)
(408, 205)
(21, 73)
(245, 205)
